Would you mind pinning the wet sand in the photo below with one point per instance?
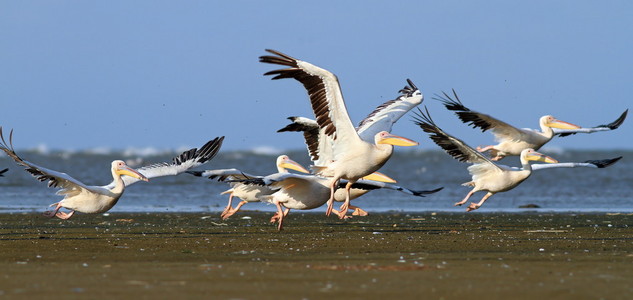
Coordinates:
(414, 255)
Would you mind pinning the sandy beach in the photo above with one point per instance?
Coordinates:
(405, 255)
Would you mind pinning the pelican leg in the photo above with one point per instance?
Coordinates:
(232, 211)
(281, 215)
(358, 211)
(346, 204)
(228, 207)
(52, 213)
(465, 198)
(474, 206)
(64, 216)
(330, 202)
(484, 149)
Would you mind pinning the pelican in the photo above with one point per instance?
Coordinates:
(98, 199)
(298, 191)
(488, 176)
(513, 140)
(353, 157)
(246, 192)
(3, 171)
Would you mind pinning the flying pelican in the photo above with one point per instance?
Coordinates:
(513, 140)
(488, 176)
(298, 191)
(98, 199)
(3, 171)
(246, 192)
(353, 157)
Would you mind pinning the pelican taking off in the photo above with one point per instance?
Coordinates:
(246, 192)
(98, 199)
(353, 157)
(488, 176)
(513, 140)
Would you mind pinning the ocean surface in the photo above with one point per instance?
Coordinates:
(558, 190)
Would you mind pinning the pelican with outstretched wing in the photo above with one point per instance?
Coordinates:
(98, 199)
(352, 156)
(513, 140)
(488, 176)
(246, 192)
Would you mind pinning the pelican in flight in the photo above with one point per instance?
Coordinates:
(352, 157)
(98, 199)
(3, 171)
(513, 140)
(298, 191)
(246, 192)
(488, 176)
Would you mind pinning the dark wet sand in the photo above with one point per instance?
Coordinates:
(418, 255)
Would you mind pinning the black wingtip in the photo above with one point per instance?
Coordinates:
(603, 163)
(424, 193)
(195, 173)
(615, 124)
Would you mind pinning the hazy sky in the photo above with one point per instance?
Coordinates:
(118, 74)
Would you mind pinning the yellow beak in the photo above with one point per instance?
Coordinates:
(377, 176)
(397, 141)
(562, 124)
(132, 173)
(535, 156)
(293, 165)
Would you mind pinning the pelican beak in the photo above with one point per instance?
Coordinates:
(132, 173)
(562, 124)
(397, 141)
(535, 156)
(293, 165)
(377, 176)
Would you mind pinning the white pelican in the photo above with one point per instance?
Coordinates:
(298, 191)
(488, 176)
(513, 140)
(3, 171)
(353, 157)
(246, 192)
(98, 199)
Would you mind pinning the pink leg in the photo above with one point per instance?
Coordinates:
(484, 149)
(330, 203)
(228, 207)
(281, 215)
(474, 206)
(345, 205)
(65, 216)
(52, 213)
(358, 211)
(465, 198)
(232, 211)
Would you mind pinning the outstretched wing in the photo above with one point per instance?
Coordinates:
(318, 143)
(373, 185)
(64, 182)
(189, 159)
(224, 174)
(601, 163)
(452, 145)
(385, 115)
(611, 126)
(501, 130)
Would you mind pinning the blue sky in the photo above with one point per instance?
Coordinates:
(166, 74)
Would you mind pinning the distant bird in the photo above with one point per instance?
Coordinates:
(298, 191)
(98, 199)
(3, 171)
(246, 192)
(488, 176)
(353, 157)
(513, 140)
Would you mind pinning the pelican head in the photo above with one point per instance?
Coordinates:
(531, 155)
(284, 162)
(385, 137)
(550, 121)
(120, 168)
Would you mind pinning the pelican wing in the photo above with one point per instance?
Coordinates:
(62, 181)
(452, 145)
(611, 126)
(501, 130)
(189, 159)
(324, 93)
(277, 180)
(223, 174)
(386, 114)
(374, 185)
(602, 163)
(3, 171)
(318, 143)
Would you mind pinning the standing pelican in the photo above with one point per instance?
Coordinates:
(98, 199)
(353, 157)
(246, 192)
(488, 176)
(513, 140)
